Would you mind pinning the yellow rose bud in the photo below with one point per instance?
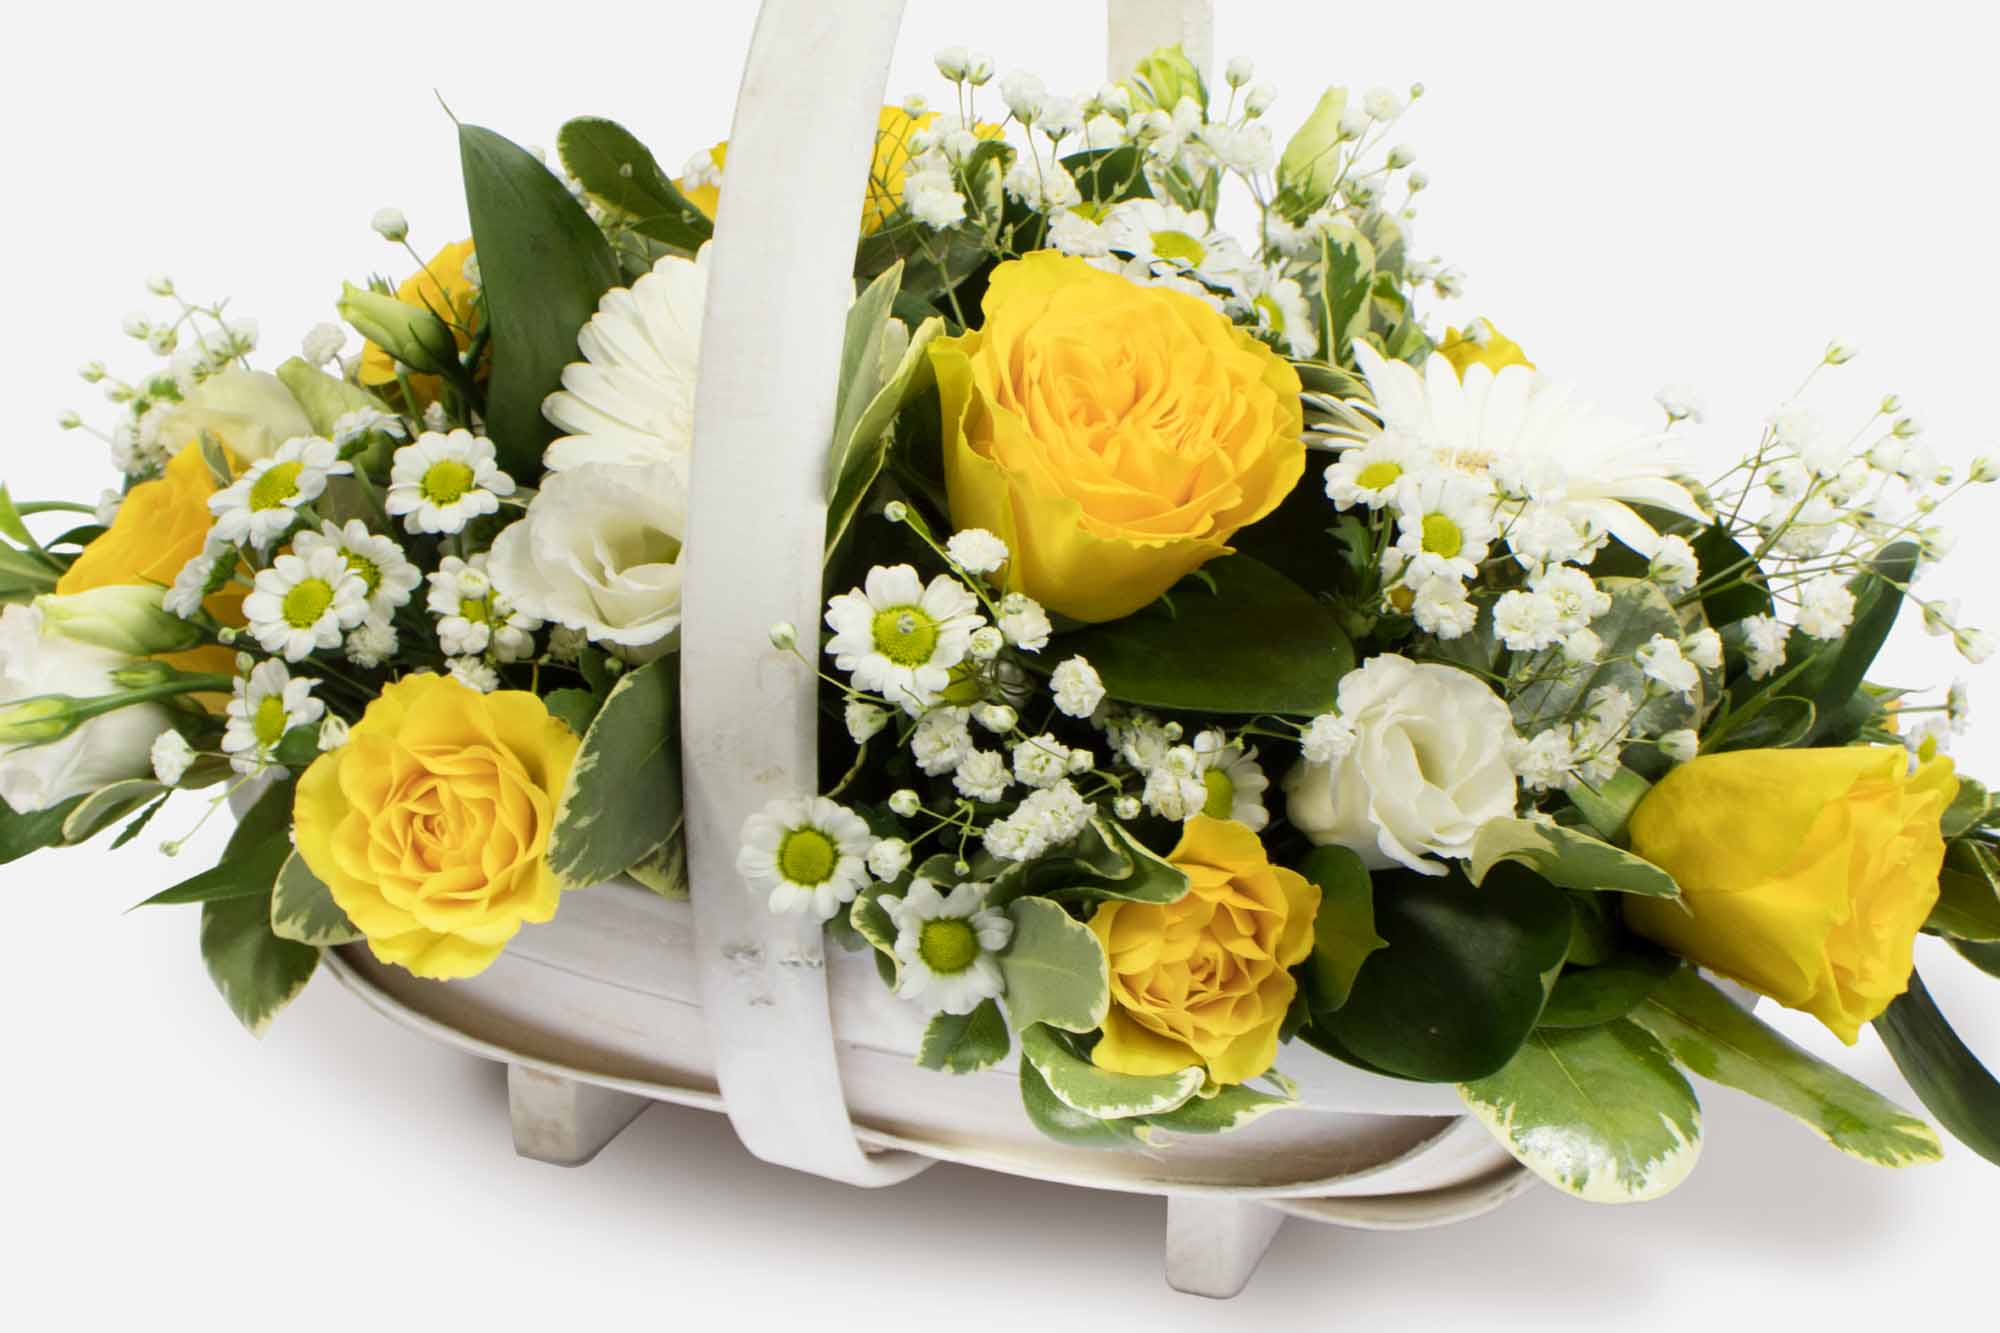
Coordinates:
(429, 826)
(1114, 436)
(443, 289)
(1204, 980)
(1491, 348)
(1806, 873)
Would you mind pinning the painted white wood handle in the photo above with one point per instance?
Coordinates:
(780, 283)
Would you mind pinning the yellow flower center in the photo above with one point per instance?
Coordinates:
(1378, 476)
(947, 944)
(278, 484)
(807, 857)
(1274, 318)
(307, 602)
(1221, 794)
(906, 635)
(1442, 536)
(269, 724)
(1177, 247)
(475, 609)
(446, 481)
(370, 572)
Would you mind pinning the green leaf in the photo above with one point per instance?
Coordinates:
(1255, 643)
(30, 832)
(624, 791)
(620, 173)
(1463, 978)
(1228, 1107)
(1878, 597)
(1109, 175)
(1055, 969)
(1954, 1086)
(872, 922)
(1586, 996)
(1566, 857)
(965, 1043)
(1717, 552)
(138, 824)
(1968, 905)
(543, 265)
(1104, 861)
(575, 708)
(1601, 1113)
(1639, 610)
(1709, 1034)
(106, 806)
(1774, 724)
(861, 375)
(322, 397)
(868, 445)
(1082, 1086)
(1311, 161)
(303, 909)
(664, 870)
(1608, 808)
(1984, 956)
(1967, 810)
(11, 526)
(1067, 1125)
(22, 577)
(1343, 932)
(1347, 276)
(257, 973)
(255, 853)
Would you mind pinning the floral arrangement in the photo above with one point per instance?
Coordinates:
(1221, 666)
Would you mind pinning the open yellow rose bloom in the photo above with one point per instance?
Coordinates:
(1204, 980)
(1115, 436)
(1807, 873)
(429, 826)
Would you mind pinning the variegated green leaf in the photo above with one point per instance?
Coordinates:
(257, 973)
(1217, 1112)
(860, 460)
(1601, 1113)
(1710, 1035)
(1639, 610)
(106, 806)
(1067, 1125)
(623, 796)
(303, 910)
(965, 1043)
(1055, 969)
(1082, 1086)
(1566, 858)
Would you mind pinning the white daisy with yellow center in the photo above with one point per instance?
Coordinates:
(1371, 474)
(945, 946)
(442, 482)
(1232, 779)
(385, 571)
(474, 617)
(1444, 524)
(900, 638)
(305, 602)
(808, 855)
(1175, 242)
(270, 702)
(260, 506)
(1276, 304)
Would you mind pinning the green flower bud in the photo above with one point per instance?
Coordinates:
(409, 333)
(1163, 78)
(33, 721)
(126, 618)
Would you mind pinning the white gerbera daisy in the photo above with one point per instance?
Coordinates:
(262, 708)
(1233, 779)
(809, 855)
(474, 617)
(1171, 241)
(946, 946)
(631, 398)
(1519, 432)
(386, 572)
(261, 504)
(442, 482)
(304, 602)
(899, 638)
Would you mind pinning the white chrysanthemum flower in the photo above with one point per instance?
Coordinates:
(372, 643)
(899, 638)
(976, 550)
(172, 757)
(305, 602)
(1372, 474)
(888, 858)
(982, 776)
(262, 708)
(259, 506)
(1826, 607)
(442, 482)
(945, 946)
(1077, 687)
(1041, 761)
(1024, 622)
(475, 673)
(1662, 661)
(864, 720)
(1529, 437)
(631, 398)
(474, 617)
(190, 586)
(1764, 644)
(807, 854)
(1327, 739)
(388, 574)
(941, 741)
(1172, 241)
(1232, 780)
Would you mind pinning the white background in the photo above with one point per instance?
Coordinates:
(1641, 194)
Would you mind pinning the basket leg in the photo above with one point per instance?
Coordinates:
(1214, 1243)
(561, 1121)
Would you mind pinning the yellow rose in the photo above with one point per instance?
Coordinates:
(1114, 436)
(885, 176)
(1807, 873)
(1204, 980)
(430, 824)
(443, 289)
(162, 525)
(1496, 351)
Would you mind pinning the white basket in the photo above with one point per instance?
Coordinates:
(625, 999)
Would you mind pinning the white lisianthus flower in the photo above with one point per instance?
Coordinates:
(809, 855)
(259, 506)
(444, 481)
(899, 638)
(1663, 662)
(945, 946)
(385, 571)
(1077, 687)
(864, 720)
(247, 412)
(976, 550)
(106, 749)
(1428, 766)
(262, 708)
(1232, 780)
(599, 551)
(475, 616)
(305, 602)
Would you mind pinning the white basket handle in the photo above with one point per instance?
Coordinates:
(780, 283)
